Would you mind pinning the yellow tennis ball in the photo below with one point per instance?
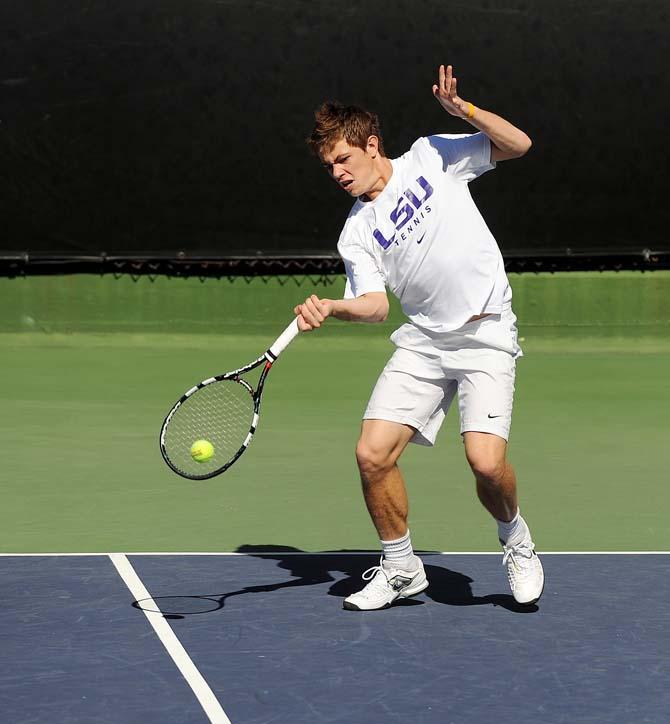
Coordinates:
(202, 451)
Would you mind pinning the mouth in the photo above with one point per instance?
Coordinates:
(346, 184)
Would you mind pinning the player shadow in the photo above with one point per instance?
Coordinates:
(454, 589)
(446, 586)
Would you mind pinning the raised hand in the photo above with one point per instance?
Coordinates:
(447, 95)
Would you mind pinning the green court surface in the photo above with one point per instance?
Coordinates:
(92, 364)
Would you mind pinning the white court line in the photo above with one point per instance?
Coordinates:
(333, 553)
(168, 638)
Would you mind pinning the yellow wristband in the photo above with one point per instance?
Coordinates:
(471, 112)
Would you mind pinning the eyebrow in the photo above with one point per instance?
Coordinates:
(338, 158)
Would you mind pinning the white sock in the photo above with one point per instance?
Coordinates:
(398, 553)
(514, 531)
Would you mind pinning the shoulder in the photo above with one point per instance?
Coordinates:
(454, 146)
(433, 150)
(353, 232)
(443, 143)
(464, 155)
(419, 150)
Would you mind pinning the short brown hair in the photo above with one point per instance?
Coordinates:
(335, 121)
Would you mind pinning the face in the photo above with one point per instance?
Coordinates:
(352, 168)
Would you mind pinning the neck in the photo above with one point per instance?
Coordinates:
(384, 169)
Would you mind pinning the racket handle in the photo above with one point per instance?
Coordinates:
(284, 339)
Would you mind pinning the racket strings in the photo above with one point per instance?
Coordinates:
(220, 412)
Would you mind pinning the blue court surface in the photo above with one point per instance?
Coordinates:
(263, 638)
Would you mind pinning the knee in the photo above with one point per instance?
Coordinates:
(488, 468)
(373, 460)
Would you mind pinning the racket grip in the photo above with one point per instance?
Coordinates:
(284, 339)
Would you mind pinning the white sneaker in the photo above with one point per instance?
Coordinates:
(524, 571)
(386, 585)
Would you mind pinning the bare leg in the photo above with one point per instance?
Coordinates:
(377, 452)
(496, 487)
(496, 481)
(399, 574)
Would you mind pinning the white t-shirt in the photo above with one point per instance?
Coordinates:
(424, 239)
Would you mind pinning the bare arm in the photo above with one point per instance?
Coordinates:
(371, 307)
(507, 141)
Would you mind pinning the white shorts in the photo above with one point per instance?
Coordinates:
(421, 379)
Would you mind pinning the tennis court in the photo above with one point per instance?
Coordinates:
(162, 217)
(248, 571)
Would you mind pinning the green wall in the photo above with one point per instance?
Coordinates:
(624, 303)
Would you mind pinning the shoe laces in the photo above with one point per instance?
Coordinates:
(517, 560)
(376, 583)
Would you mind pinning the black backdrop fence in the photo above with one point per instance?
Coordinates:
(172, 132)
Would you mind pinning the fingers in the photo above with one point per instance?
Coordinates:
(444, 77)
(447, 80)
(302, 325)
(446, 83)
(313, 313)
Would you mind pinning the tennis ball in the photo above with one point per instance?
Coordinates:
(202, 451)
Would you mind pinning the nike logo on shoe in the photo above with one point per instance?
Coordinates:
(492, 417)
(398, 583)
(386, 586)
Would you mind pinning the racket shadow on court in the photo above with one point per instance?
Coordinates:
(447, 586)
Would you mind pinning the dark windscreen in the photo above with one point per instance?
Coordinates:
(156, 127)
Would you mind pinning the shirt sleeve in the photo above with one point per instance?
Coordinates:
(465, 156)
(363, 273)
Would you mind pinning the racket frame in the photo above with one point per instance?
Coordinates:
(268, 358)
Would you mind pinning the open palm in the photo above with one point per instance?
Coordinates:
(447, 95)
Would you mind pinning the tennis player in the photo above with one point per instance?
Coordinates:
(415, 230)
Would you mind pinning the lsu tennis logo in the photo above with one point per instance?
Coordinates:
(410, 209)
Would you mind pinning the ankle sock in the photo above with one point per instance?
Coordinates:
(398, 553)
(514, 531)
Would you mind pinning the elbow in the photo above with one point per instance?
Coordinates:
(525, 145)
(376, 307)
(383, 313)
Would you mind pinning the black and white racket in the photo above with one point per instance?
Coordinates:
(222, 411)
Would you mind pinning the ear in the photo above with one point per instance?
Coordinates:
(372, 147)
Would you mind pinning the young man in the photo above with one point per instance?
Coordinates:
(415, 230)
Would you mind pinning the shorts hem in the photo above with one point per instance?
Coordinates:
(490, 429)
(390, 416)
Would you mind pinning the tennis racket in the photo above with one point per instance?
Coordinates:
(223, 410)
